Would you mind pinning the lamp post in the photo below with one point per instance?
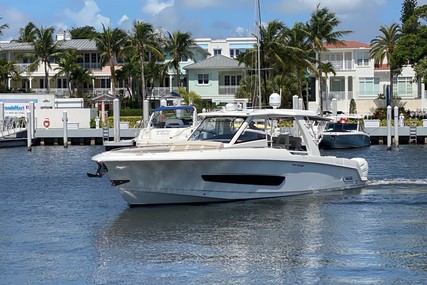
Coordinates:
(307, 76)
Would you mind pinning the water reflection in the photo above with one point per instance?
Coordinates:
(264, 240)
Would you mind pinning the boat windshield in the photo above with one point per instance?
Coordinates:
(338, 127)
(220, 129)
(172, 118)
(224, 129)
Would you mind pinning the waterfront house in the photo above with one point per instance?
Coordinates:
(214, 73)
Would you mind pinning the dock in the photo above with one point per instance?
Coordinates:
(45, 137)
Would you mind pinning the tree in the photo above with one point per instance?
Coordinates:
(353, 109)
(177, 45)
(110, 43)
(408, 9)
(66, 66)
(86, 32)
(191, 98)
(79, 77)
(8, 70)
(27, 34)
(383, 47)
(46, 49)
(411, 48)
(144, 42)
(320, 31)
(3, 27)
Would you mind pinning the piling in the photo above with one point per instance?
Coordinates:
(65, 125)
(388, 127)
(28, 130)
(396, 126)
(116, 110)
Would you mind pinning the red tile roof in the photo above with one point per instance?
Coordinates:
(382, 67)
(349, 44)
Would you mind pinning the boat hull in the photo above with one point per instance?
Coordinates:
(339, 140)
(226, 175)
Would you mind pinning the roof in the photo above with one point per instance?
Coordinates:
(16, 46)
(78, 44)
(215, 62)
(381, 67)
(349, 44)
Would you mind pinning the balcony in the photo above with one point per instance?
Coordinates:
(342, 65)
(22, 67)
(228, 89)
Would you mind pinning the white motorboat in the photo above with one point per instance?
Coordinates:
(168, 124)
(227, 159)
(344, 131)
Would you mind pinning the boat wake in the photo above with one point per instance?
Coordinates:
(397, 181)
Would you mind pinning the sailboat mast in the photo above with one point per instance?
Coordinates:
(259, 53)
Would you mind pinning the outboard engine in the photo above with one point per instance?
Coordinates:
(363, 165)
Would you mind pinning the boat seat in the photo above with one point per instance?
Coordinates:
(281, 141)
(295, 143)
(196, 145)
(174, 123)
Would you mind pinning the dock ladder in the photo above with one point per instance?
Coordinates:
(413, 134)
(106, 134)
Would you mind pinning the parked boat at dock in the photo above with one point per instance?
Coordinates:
(344, 131)
(227, 159)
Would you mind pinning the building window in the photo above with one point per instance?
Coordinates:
(41, 83)
(369, 86)
(61, 83)
(184, 58)
(203, 79)
(234, 52)
(232, 80)
(403, 86)
(217, 51)
(105, 83)
(362, 58)
(337, 84)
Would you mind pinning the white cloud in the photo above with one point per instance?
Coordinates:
(88, 15)
(15, 20)
(154, 7)
(202, 4)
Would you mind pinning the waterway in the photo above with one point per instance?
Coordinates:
(57, 226)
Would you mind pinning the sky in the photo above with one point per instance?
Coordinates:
(216, 19)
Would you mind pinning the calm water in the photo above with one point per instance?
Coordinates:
(57, 226)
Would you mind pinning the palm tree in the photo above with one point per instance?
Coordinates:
(110, 43)
(299, 59)
(3, 27)
(144, 41)
(383, 47)
(67, 64)
(27, 34)
(178, 45)
(272, 44)
(8, 70)
(321, 30)
(79, 77)
(45, 48)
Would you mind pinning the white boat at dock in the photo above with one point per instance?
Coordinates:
(227, 159)
(344, 131)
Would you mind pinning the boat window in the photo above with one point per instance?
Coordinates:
(255, 130)
(220, 129)
(174, 118)
(337, 127)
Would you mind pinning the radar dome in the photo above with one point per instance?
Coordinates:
(275, 100)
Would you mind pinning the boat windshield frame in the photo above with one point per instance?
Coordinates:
(225, 129)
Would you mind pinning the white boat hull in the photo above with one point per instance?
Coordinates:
(144, 178)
